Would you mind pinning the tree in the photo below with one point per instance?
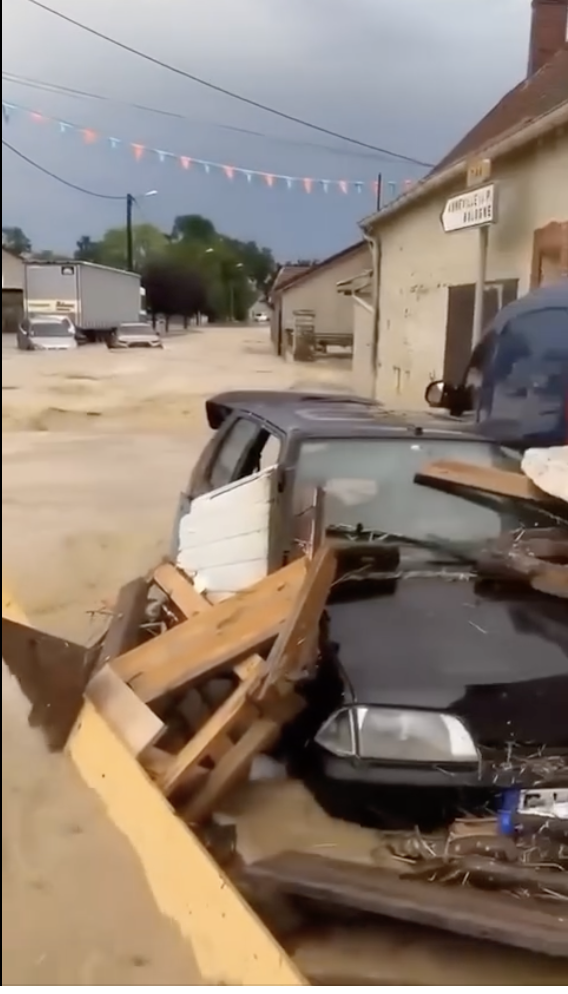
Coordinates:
(149, 243)
(173, 290)
(15, 240)
(230, 273)
(258, 263)
(88, 250)
(193, 228)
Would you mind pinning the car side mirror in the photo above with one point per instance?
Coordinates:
(457, 400)
(435, 393)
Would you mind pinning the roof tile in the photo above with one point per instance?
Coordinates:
(532, 98)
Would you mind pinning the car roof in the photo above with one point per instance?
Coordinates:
(332, 415)
(552, 296)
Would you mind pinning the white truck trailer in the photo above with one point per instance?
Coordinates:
(97, 299)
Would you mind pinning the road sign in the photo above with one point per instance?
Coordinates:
(472, 209)
(479, 172)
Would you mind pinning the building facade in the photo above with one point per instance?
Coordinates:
(426, 278)
(315, 290)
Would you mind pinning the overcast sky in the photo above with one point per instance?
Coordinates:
(408, 75)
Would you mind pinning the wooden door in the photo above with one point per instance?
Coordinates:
(550, 254)
(459, 323)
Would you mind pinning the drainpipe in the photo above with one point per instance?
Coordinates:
(376, 256)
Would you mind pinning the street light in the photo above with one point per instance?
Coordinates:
(130, 201)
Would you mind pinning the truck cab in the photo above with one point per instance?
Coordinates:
(516, 382)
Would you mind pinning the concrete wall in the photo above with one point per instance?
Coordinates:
(362, 378)
(12, 272)
(420, 262)
(334, 311)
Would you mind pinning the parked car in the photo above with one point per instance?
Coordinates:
(46, 333)
(516, 382)
(261, 318)
(135, 336)
(441, 689)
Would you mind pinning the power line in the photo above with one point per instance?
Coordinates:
(221, 89)
(60, 179)
(59, 89)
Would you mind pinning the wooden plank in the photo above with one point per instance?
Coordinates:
(485, 478)
(180, 590)
(190, 603)
(492, 917)
(52, 674)
(234, 767)
(228, 942)
(222, 637)
(234, 710)
(134, 723)
(156, 761)
(297, 640)
(124, 630)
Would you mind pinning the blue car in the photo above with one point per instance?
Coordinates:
(516, 382)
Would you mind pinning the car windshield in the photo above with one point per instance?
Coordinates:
(49, 329)
(370, 483)
(135, 329)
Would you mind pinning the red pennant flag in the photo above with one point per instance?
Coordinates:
(229, 172)
(269, 179)
(89, 136)
(185, 162)
(343, 186)
(138, 151)
(38, 118)
(308, 184)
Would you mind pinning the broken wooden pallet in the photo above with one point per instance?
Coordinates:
(233, 629)
(201, 641)
(250, 720)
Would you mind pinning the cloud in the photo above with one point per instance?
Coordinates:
(408, 74)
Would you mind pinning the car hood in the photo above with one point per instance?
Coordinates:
(134, 341)
(51, 343)
(498, 659)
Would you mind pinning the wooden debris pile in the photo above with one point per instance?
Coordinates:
(533, 862)
(197, 690)
(535, 557)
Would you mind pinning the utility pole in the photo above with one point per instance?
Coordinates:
(480, 281)
(129, 235)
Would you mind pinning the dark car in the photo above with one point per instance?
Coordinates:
(440, 687)
(516, 382)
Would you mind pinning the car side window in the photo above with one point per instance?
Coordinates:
(531, 363)
(233, 450)
(270, 452)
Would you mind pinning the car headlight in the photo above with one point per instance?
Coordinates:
(397, 735)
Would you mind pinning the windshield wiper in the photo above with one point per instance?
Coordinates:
(433, 544)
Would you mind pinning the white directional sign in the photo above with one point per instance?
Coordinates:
(471, 209)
